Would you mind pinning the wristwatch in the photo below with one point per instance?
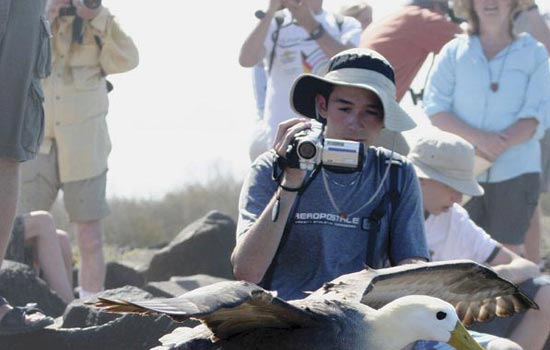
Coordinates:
(317, 33)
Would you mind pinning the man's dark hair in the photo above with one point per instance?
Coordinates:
(325, 91)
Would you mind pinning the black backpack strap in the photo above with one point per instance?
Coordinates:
(384, 158)
(390, 199)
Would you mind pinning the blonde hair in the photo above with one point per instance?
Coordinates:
(465, 9)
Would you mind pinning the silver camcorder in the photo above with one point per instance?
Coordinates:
(309, 148)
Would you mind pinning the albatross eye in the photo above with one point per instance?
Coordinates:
(441, 315)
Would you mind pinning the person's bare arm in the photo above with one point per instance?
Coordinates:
(305, 18)
(489, 145)
(521, 131)
(253, 50)
(513, 267)
(256, 249)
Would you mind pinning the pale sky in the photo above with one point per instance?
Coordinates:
(188, 108)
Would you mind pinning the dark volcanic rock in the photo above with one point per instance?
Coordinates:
(178, 285)
(119, 275)
(129, 332)
(204, 247)
(20, 285)
(79, 314)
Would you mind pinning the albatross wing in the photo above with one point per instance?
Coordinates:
(477, 292)
(227, 308)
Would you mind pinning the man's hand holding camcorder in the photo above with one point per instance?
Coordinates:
(84, 11)
(293, 178)
(302, 14)
(54, 6)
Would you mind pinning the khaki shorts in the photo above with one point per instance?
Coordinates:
(84, 200)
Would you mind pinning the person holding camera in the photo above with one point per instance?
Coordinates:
(298, 229)
(88, 45)
(300, 38)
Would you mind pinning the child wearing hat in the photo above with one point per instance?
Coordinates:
(444, 164)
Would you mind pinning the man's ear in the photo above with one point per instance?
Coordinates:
(321, 106)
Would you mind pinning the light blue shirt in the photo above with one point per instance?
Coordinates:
(460, 84)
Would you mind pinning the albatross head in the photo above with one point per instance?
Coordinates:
(419, 317)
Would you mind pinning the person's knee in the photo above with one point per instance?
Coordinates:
(39, 223)
(503, 344)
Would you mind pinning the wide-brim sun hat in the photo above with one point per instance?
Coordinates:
(461, 8)
(446, 158)
(359, 67)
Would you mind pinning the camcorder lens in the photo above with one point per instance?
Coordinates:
(307, 150)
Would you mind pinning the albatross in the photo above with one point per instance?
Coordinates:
(384, 309)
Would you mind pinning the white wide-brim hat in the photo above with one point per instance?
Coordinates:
(359, 67)
(447, 158)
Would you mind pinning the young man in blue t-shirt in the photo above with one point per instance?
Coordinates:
(330, 229)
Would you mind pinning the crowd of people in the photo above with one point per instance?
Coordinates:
(403, 201)
(487, 97)
(55, 56)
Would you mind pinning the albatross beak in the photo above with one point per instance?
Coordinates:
(462, 340)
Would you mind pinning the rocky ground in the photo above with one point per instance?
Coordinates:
(198, 256)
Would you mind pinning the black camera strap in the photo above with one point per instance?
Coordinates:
(279, 19)
(419, 96)
(78, 26)
(108, 84)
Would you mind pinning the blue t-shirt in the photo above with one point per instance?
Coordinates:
(321, 245)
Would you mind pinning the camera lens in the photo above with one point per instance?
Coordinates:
(307, 150)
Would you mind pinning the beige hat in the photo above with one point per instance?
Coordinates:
(358, 67)
(447, 158)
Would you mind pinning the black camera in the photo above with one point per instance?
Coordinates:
(71, 10)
